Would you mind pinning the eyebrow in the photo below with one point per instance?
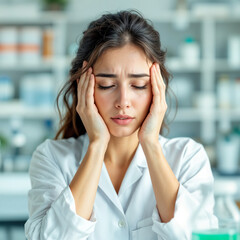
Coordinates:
(139, 75)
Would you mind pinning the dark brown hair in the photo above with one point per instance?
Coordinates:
(109, 31)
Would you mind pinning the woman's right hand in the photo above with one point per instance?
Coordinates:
(87, 110)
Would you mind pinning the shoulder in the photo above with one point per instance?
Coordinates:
(60, 143)
(184, 154)
(182, 144)
(55, 152)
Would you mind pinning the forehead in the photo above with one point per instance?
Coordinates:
(128, 56)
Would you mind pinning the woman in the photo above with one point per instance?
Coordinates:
(112, 176)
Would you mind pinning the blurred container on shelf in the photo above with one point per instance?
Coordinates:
(225, 209)
(234, 51)
(3, 146)
(190, 52)
(8, 46)
(25, 45)
(228, 145)
(6, 88)
(226, 192)
(227, 212)
(15, 159)
(228, 230)
(204, 100)
(224, 94)
(236, 101)
(37, 90)
(183, 89)
(30, 41)
(18, 141)
(47, 43)
(228, 92)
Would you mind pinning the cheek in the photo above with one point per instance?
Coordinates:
(101, 101)
(143, 101)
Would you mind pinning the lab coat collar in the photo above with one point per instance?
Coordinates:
(139, 157)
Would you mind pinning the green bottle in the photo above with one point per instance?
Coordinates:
(216, 234)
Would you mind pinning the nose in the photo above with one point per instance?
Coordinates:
(123, 98)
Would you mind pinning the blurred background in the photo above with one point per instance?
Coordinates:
(38, 40)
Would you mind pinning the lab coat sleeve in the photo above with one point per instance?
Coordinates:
(52, 213)
(195, 199)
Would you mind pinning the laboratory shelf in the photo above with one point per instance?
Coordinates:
(42, 66)
(177, 65)
(38, 18)
(174, 27)
(17, 108)
(222, 65)
(196, 114)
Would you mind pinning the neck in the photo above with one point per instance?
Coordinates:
(120, 151)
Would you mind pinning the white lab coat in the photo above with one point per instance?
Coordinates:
(130, 214)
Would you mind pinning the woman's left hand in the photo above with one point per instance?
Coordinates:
(150, 129)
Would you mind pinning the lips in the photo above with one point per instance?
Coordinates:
(122, 119)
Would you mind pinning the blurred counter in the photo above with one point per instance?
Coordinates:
(226, 185)
(13, 196)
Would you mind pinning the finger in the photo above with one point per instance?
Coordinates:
(82, 75)
(90, 91)
(155, 88)
(160, 82)
(80, 86)
(84, 87)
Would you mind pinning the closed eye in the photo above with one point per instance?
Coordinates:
(111, 86)
(140, 87)
(105, 87)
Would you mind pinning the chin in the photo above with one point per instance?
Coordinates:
(119, 133)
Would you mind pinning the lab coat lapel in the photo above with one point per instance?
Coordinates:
(105, 184)
(134, 172)
(132, 175)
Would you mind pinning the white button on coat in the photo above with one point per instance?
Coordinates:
(121, 224)
(130, 214)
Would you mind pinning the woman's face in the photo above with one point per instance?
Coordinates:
(123, 92)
